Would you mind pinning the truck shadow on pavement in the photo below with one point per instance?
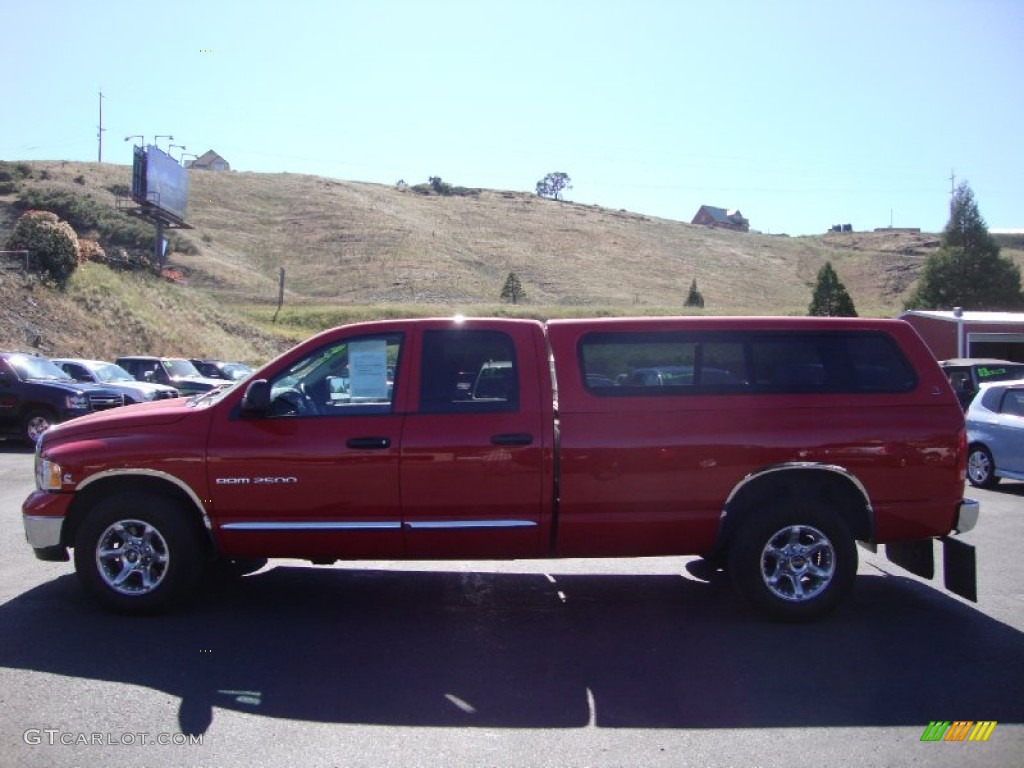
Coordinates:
(1008, 488)
(447, 648)
(16, 446)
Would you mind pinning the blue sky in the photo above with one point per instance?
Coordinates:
(800, 114)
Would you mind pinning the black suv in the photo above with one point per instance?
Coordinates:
(967, 374)
(35, 393)
(174, 371)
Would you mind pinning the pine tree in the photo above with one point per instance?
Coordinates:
(513, 289)
(694, 298)
(967, 270)
(830, 298)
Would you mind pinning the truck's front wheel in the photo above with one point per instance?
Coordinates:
(137, 552)
(794, 562)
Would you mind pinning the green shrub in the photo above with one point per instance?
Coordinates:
(52, 244)
(440, 187)
(435, 186)
(113, 227)
(180, 244)
(14, 171)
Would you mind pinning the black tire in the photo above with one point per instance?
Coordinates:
(793, 561)
(36, 421)
(981, 469)
(138, 552)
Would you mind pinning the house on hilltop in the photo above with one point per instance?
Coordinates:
(209, 161)
(710, 216)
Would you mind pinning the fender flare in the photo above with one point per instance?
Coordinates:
(729, 508)
(152, 474)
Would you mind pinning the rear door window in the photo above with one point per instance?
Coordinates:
(467, 371)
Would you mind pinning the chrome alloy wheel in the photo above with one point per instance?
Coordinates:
(35, 426)
(132, 557)
(798, 563)
(979, 466)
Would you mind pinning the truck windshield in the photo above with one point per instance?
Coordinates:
(182, 369)
(110, 372)
(987, 373)
(37, 369)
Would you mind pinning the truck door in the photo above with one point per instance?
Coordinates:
(316, 476)
(475, 450)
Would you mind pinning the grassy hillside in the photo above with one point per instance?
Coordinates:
(353, 250)
(104, 313)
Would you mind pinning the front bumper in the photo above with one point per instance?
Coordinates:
(43, 519)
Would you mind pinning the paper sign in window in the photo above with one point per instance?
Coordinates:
(368, 369)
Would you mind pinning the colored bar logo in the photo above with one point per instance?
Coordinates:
(958, 730)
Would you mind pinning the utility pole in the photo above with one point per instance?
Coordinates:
(952, 190)
(99, 133)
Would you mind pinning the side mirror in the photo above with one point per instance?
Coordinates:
(257, 397)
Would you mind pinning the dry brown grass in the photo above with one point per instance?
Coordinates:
(348, 243)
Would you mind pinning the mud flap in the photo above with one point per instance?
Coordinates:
(918, 557)
(959, 563)
(959, 568)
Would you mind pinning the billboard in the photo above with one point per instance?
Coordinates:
(157, 179)
(139, 175)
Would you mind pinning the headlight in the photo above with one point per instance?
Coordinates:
(47, 474)
(77, 402)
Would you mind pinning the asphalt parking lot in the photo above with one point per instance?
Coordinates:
(552, 663)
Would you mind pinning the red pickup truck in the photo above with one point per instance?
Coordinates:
(768, 445)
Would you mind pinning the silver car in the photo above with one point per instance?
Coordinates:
(995, 434)
(114, 377)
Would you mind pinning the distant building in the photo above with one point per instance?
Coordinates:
(970, 334)
(709, 216)
(209, 161)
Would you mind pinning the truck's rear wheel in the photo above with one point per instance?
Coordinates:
(793, 562)
(137, 552)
